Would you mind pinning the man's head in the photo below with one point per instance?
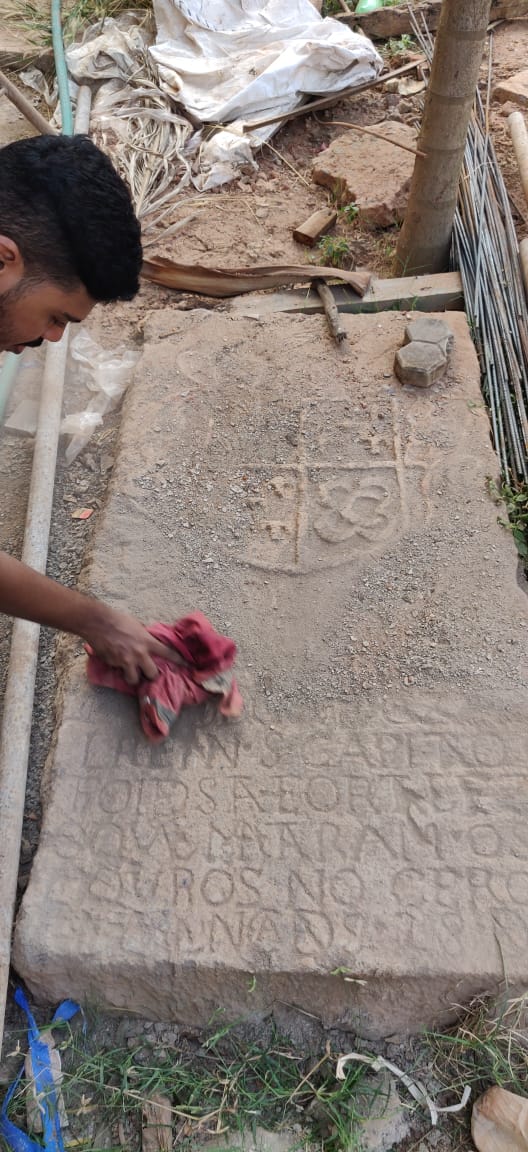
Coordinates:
(68, 237)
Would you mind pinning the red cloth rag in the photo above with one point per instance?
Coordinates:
(206, 675)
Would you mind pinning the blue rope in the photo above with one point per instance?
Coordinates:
(44, 1086)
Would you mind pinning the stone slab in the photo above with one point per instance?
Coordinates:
(514, 90)
(371, 172)
(439, 292)
(368, 812)
(17, 49)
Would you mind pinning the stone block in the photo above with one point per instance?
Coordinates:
(429, 330)
(368, 812)
(420, 364)
(514, 90)
(370, 172)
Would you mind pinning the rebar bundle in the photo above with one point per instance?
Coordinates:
(486, 251)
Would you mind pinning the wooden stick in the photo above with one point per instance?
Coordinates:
(315, 227)
(345, 7)
(156, 1133)
(331, 313)
(379, 135)
(25, 107)
(329, 101)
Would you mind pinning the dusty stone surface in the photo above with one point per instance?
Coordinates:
(372, 173)
(367, 812)
(420, 364)
(515, 89)
(13, 125)
(429, 330)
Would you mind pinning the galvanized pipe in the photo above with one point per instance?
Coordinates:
(20, 690)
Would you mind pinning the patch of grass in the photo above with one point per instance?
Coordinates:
(349, 212)
(398, 47)
(224, 1084)
(489, 1046)
(335, 251)
(515, 501)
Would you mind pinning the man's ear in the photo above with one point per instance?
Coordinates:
(11, 264)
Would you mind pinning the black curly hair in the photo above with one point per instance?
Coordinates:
(64, 205)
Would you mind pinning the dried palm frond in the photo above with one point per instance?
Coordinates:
(233, 281)
(135, 121)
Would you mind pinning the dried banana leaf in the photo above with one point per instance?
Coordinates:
(235, 281)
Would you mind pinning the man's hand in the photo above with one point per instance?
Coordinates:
(124, 643)
(116, 638)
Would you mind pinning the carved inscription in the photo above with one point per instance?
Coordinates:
(339, 492)
(255, 844)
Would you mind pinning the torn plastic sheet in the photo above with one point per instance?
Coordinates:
(35, 79)
(106, 373)
(109, 50)
(223, 158)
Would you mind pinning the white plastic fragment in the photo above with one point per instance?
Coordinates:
(414, 1087)
(106, 373)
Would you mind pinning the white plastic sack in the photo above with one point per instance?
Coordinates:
(228, 60)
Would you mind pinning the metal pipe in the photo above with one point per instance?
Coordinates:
(19, 694)
(61, 68)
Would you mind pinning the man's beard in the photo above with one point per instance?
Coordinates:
(7, 301)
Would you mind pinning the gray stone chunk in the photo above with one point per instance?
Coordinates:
(420, 364)
(429, 330)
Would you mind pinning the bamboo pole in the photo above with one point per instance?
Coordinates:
(425, 238)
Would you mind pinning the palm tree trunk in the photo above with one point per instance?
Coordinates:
(425, 237)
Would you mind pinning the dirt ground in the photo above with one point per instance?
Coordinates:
(249, 222)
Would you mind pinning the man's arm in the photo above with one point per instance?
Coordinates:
(117, 638)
